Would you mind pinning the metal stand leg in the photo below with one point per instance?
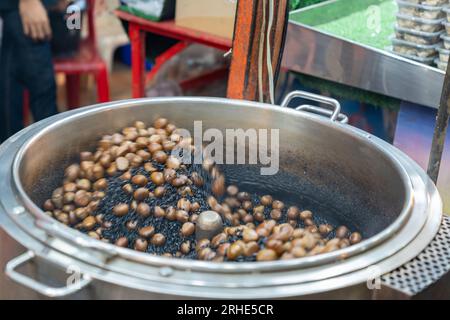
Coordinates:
(440, 132)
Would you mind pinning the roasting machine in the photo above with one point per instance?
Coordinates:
(347, 175)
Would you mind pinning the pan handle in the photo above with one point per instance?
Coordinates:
(41, 288)
(334, 114)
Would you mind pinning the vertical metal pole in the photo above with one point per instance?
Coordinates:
(440, 131)
(243, 78)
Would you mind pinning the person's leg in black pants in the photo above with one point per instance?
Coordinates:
(9, 88)
(24, 63)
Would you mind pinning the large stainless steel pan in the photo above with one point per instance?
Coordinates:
(344, 173)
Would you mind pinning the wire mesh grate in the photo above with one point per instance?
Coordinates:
(429, 266)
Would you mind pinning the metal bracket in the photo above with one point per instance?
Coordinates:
(41, 288)
(334, 114)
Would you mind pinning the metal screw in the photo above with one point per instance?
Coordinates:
(166, 271)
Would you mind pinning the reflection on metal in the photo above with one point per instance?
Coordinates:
(316, 53)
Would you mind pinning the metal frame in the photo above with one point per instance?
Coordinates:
(377, 71)
(344, 61)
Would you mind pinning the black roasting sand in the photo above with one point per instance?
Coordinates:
(170, 229)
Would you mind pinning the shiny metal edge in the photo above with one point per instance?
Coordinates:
(88, 242)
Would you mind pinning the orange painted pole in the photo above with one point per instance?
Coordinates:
(243, 78)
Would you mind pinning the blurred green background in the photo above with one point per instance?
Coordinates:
(296, 4)
(341, 91)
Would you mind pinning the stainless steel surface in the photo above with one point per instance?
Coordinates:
(209, 223)
(347, 150)
(321, 149)
(316, 53)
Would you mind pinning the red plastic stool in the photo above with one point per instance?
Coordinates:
(86, 61)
